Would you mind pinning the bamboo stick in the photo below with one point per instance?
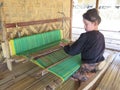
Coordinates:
(46, 52)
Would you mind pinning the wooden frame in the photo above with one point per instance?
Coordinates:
(20, 24)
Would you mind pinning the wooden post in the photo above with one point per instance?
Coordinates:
(5, 39)
(71, 10)
(97, 4)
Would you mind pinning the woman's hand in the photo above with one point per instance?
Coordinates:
(62, 44)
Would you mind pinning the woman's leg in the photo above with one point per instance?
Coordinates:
(85, 72)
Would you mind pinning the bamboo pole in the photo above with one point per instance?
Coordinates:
(4, 38)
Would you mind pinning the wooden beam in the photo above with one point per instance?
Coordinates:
(97, 4)
(11, 25)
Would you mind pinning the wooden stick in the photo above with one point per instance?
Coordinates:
(46, 53)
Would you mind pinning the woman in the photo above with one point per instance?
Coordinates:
(90, 44)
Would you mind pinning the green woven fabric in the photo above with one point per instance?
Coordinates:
(66, 68)
(50, 59)
(34, 50)
(36, 41)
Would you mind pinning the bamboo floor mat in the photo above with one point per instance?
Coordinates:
(111, 79)
(25, 80)
(20, 71)
(31, 83)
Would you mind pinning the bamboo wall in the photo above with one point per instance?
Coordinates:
(26, 17)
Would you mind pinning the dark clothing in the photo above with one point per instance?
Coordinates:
(91, 45)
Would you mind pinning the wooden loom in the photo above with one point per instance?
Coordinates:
(13, 32)
(46, 54)
(18, 26)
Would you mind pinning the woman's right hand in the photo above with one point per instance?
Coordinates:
(62, 44)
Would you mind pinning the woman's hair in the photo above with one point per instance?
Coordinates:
(92, 15)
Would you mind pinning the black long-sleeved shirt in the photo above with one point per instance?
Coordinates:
(91, 45)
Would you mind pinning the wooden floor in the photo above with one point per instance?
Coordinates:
(111, 79)
(23, 78)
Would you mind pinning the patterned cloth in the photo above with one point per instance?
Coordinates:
(84, 72)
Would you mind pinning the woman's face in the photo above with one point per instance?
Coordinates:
(89, 26)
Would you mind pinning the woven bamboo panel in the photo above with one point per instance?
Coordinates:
(17, 11)
(32, 10)
(33, 29)
(66, 30)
